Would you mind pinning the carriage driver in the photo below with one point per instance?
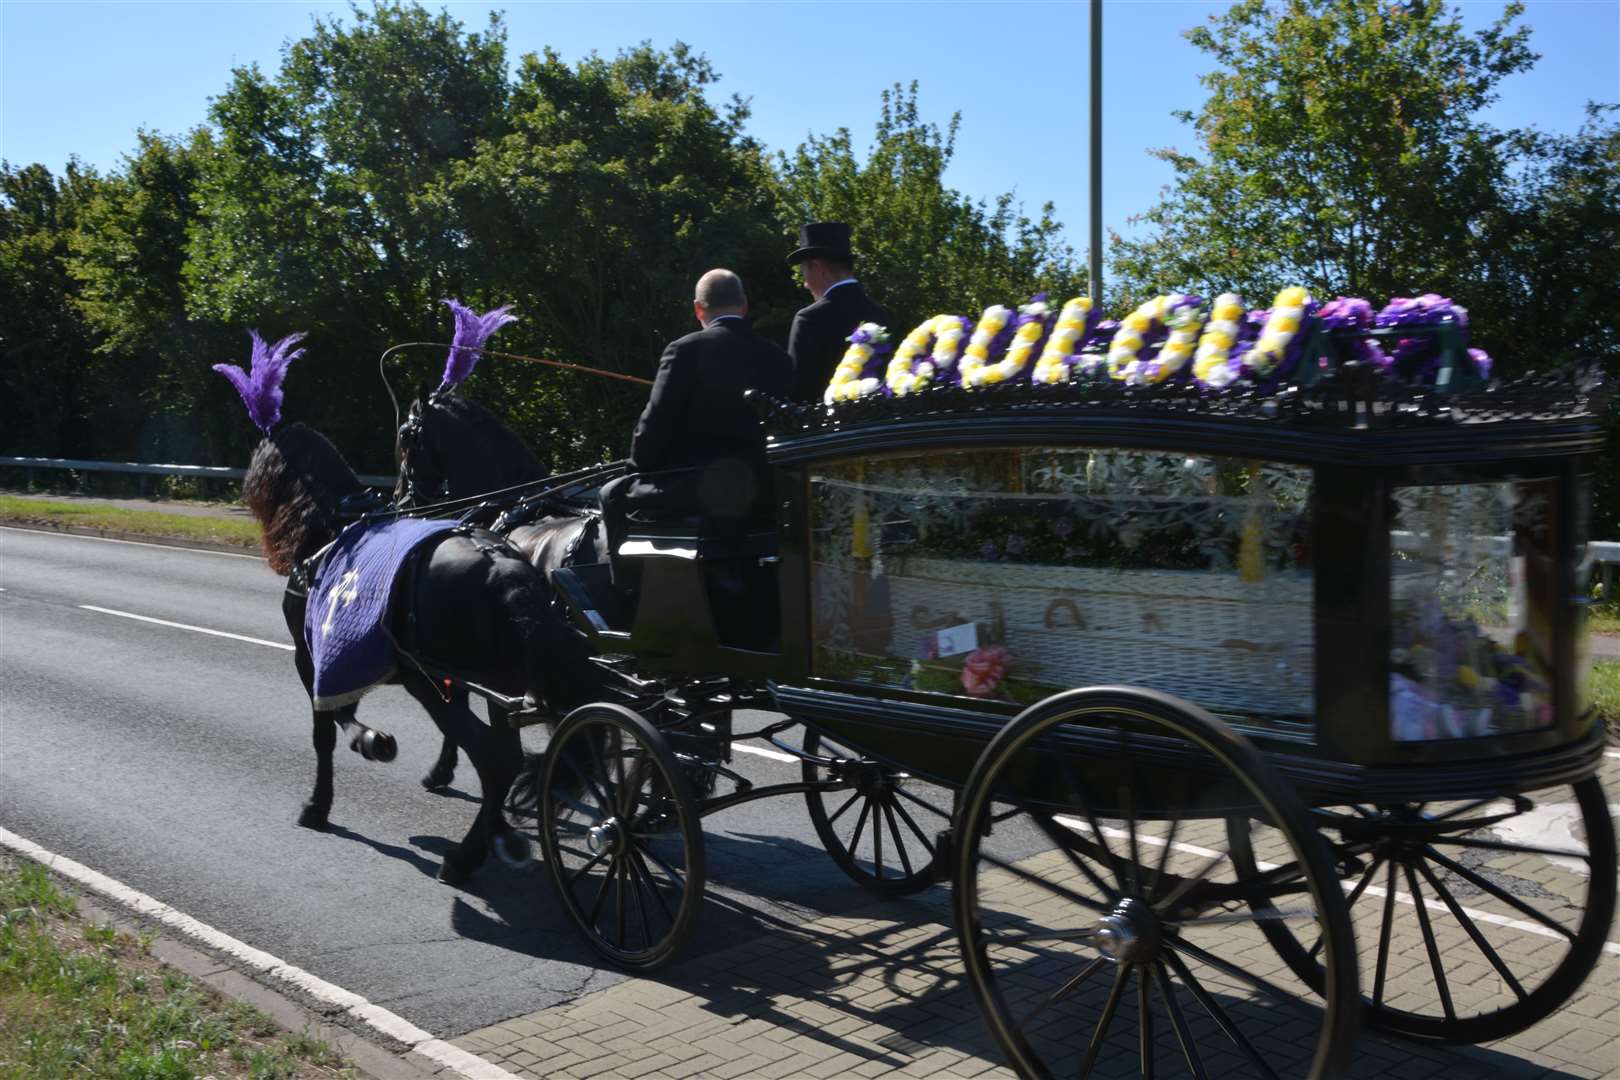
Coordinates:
(698, 450)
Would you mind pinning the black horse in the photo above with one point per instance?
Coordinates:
(475, 607)
(450, 448)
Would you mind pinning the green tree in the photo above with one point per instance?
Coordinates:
(1340, 148)
(615, 185)
(926, 248)
(46, 387)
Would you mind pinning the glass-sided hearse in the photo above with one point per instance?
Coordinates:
(1162, 681)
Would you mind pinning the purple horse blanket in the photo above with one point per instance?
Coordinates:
(346, 621)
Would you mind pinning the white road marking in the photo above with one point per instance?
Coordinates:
(396, 1027)
(757, 751)
(188, 626)
(1348, 883)
(135, 543)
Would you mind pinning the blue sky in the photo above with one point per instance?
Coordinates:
(80, 78)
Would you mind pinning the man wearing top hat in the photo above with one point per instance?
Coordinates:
(816, 342)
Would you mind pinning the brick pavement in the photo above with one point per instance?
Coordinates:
(880, 992)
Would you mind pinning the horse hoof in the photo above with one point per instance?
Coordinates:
(374, 745)
(438, 778)
(514, 849)
(451, 874)
(312, 817)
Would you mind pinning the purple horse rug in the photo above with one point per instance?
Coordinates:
(346, 622)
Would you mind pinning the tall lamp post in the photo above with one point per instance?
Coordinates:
(1096, 155)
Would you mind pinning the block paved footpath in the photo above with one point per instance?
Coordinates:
(881, 992)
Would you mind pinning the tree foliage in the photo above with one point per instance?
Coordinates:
(926, 247)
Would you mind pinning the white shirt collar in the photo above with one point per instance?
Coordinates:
(834, 285)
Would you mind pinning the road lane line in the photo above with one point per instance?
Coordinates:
(758, 751)
(133, 543)
(187, 626)
(1404, 898)
(459, 1061)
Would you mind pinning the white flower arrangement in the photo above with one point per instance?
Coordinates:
(976, 357)
(1184, 315)
(1287, 313)
(1212, 364)
(1067, 336)
(1131, 335)
(847, 383)
(906, 373)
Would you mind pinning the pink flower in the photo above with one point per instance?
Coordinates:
(983, 670)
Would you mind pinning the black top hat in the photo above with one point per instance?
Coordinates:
(822, 240)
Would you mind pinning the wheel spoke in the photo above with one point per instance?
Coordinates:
(1144, 1020)
(1350, 901)
(640, 894)
(674, 875)
(652, 885)
(1041, 935)
(577, 874)
(860, 827)
(1516, 849)
(1383, 937)
(1050, 886)
(1429, 944)
(1127, 802)
(1270, 914)
(847, 804)
(924, 803)
(630, 790)
(618, 902)
(1070, 844)
(1473, 931)
(1219, 1015)
(877, 834)
(1500, 893)
(1062, 992)
(1100, 1035)
(1164, 853)
(1236, 972)
(922, 837)
(894, 834)
(601, 892)
(1187, 883)
(1178, 1024)
(1096, 831)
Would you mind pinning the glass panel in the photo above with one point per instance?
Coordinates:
(1473, 600)
(1585, 557)
(1012, 574)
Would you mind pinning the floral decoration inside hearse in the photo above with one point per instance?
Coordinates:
(1010, 572)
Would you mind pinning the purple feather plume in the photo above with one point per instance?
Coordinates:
(260, 385)
(472, 331)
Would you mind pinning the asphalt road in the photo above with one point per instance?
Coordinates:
(176, 762)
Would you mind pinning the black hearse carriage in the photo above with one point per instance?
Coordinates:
(1221, 702)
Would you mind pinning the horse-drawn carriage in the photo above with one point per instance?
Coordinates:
(1261, 701)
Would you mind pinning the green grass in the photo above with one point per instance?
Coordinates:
(156, 523)
(87, 1001)
(1606, 694)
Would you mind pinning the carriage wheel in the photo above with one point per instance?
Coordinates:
(1447, 895)
(1114, 875)
(883, 830)
(621, 835)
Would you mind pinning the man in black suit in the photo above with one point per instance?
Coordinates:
(816, 342)
(698, 449)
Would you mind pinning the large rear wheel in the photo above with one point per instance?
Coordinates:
(1102, 916)
(1476, 917)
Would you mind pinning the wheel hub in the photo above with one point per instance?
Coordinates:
(604, 837)
(1129, 934)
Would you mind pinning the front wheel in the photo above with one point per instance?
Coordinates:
(621, 833)
(882, 830)
(1105, 909)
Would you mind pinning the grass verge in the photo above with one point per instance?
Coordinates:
(229, 531)
(82, 1000)
(1606, 695)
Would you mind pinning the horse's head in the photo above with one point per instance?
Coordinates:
(294, 486)
(418, 451)
(451, 447)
